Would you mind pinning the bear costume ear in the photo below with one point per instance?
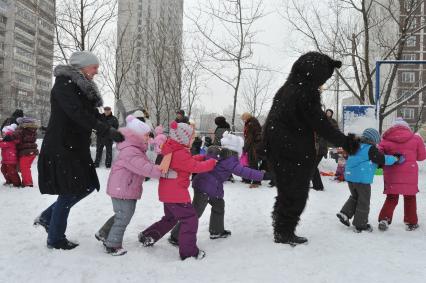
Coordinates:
(337, 64)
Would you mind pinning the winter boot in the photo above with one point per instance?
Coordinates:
(383, 225)
(63, 245)
(411, 227)
(201, 254)
(100, 237)
(146, 240)
(224, 234)
(173, 241)
(367, 228)
(343, 218)
(115, 251)
(291, 240)
(40, 222)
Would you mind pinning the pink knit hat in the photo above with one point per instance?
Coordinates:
(181, 132)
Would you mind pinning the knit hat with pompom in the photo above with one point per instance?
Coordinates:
(181, 132)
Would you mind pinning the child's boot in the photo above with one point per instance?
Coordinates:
(383, 225)
(115, 251)
(366, 227)
(224, 234)
(411, 227)
(343, 218)
(146, 241)
(201, 254)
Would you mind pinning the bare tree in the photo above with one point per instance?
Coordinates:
(82, 25)
(256, 92)
(228, 28)
(359, 32)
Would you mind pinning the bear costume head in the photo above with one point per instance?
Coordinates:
(314, 68)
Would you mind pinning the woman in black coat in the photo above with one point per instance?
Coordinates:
(252, 141)
(65, 165)
(221, 127)
(295, 115)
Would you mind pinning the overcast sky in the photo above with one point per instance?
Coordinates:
(273, 51)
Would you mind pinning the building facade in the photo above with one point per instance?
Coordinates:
(412, 77)
(149, 56)
(26, 57)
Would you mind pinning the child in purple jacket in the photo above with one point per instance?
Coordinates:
(208, 187)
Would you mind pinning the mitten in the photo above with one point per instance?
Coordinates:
(171, 174)
(115, 135)
(268, 176)
(352, 144)
(400, 157)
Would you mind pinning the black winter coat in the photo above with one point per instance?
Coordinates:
(295, 115)
(65, 165)
(252, 141)
(111, 121)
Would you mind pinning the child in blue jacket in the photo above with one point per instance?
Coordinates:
(359, 174)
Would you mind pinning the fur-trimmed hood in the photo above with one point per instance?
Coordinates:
(88, 87)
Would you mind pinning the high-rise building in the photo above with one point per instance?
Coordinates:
(412, 77)
(149, 56)
(26, 56)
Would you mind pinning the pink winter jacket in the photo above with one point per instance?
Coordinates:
(130, 168)
(402, 179)
(9, 153)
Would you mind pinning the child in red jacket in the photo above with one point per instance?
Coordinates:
(175, 195)
(9, 156)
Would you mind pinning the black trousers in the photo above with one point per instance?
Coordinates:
(100, 144)
(316, 178)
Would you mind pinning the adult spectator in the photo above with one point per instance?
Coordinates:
(12, 119)
(221, 127)
(65, 166)
(181, 118)
(252, 142)
(105, 140)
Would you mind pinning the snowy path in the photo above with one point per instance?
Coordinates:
(334, 254)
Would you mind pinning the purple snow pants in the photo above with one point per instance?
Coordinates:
(188, 218)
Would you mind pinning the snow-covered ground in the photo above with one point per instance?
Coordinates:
(334, 252)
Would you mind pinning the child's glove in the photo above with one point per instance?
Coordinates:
(171, 174)
(400, 157)
(8, 138)
(267, 176)
(115, 135)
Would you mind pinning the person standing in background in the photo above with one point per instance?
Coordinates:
(103, 140)
(222, 126)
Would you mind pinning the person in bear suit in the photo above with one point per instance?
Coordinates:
(289, 144)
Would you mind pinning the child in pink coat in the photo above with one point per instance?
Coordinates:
(401, 179)
(9, 161)
(125, 183)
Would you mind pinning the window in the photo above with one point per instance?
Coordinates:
(23, 66)
(24, 79)
(408, 57)
(406, 93)
(411, 41)
(24, 53)
(407, 113)
(408, 77)
(410, 5)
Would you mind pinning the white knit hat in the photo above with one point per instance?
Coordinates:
(139, 114)
(10, 129)
(399, 121)
(181, 132)
(137, 125)
(232, 142)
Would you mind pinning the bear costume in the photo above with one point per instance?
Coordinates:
(289, 144)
